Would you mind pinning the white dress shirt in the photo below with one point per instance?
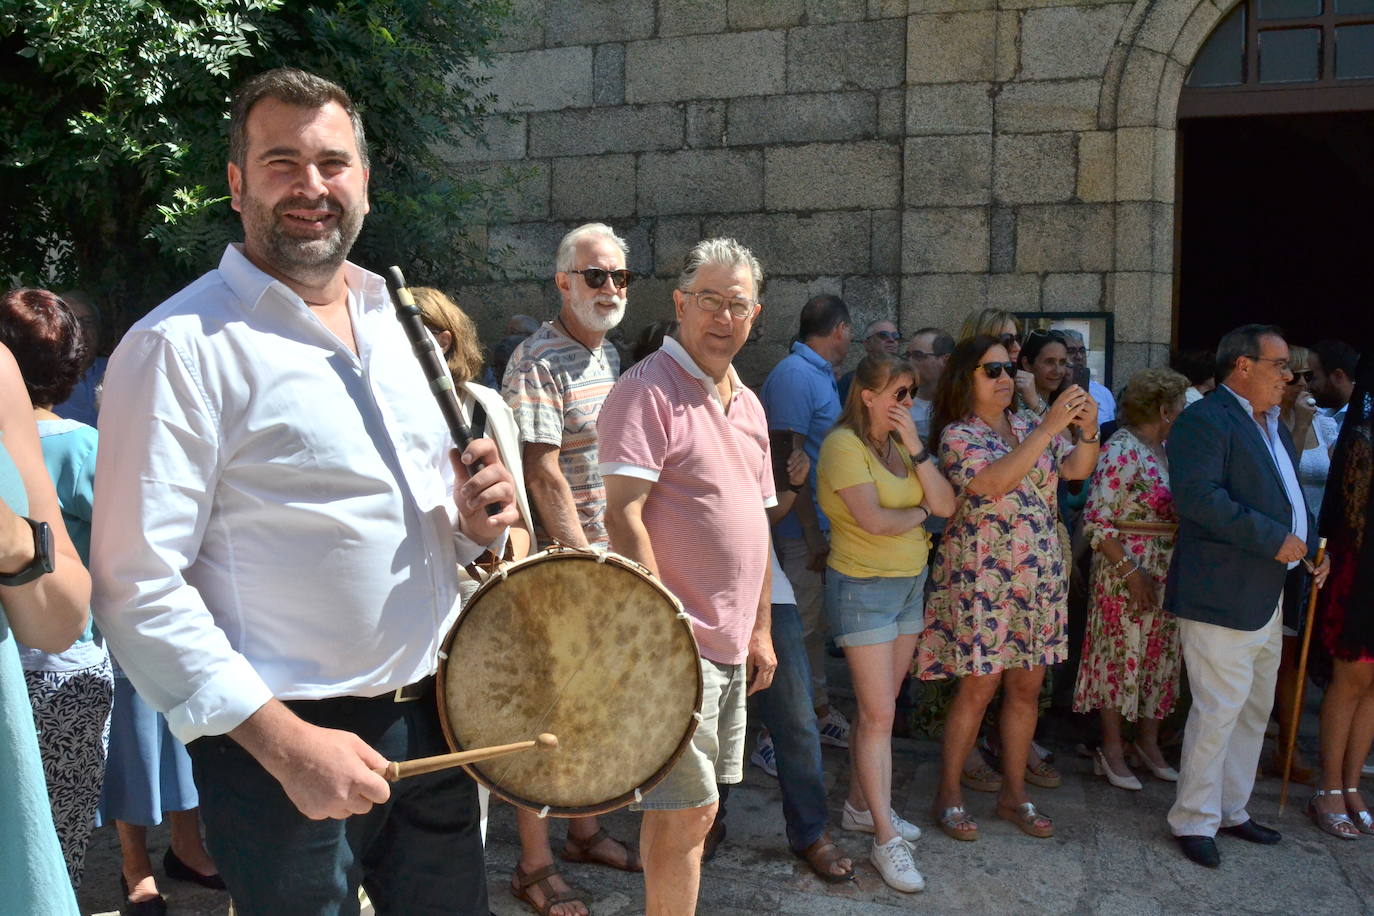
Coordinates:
(1269, 432)
(274, 515)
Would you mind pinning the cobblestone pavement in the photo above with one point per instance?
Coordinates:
(1112, 854)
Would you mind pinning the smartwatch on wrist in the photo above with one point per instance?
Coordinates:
(42, 556)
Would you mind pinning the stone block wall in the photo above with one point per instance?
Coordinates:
(921, 158)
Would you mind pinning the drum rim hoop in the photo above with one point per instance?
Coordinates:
(620, 801)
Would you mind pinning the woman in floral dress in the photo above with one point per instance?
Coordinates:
(1131, 654)
(997, 613)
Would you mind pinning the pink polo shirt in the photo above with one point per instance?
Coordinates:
(663, 421)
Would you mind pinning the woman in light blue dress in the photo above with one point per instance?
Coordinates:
(48, 613)
(68, 690)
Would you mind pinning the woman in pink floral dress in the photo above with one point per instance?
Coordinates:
(997, 611)
(1130, 666)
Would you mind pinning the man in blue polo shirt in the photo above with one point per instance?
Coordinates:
(800, 397)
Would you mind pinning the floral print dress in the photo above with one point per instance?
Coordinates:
(1130, 660)
(1000, 593)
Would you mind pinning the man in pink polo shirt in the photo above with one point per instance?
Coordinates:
(684, 454)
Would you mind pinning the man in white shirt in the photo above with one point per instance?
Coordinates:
(277, 532)
(928, 351)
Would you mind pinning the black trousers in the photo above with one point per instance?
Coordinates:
(418, 854)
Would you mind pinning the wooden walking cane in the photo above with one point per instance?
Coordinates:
(1291, 739)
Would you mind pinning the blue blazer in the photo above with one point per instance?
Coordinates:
(1233, 516)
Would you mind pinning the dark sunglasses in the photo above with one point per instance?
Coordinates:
(1300, 375)
(995, 370)
(596, 277)
(887, 335)
(904, 392)
(1010, 340)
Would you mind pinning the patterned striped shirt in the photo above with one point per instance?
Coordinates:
(556, 386)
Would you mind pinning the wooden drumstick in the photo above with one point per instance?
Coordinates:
(400, 770)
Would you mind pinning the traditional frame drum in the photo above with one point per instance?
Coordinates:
(586, 645)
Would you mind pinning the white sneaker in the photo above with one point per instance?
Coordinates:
(862, 822)
(764, 757)
(894, 863)
(834, 728)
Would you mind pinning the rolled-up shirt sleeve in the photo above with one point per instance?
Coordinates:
(156, 472)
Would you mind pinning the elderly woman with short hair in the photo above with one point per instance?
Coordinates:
(1131, 652)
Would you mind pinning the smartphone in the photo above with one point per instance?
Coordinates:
(780, 444)
(1080, 376)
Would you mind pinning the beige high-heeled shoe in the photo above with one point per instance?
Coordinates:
(1166, 772)
(1102, 768)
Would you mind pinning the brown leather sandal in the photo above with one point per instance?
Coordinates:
(521, 882)
(580, 851)
(821, 857)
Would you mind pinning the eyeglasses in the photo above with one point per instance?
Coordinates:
(1010, 340)
(1300, 375)
(1077, 351)
(918, 354)
(596, 277)
(886, 335)
(1280, 362)
(708, 300)
(904, 392)
(995, 370)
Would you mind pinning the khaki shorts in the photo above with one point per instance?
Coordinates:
(716, 754)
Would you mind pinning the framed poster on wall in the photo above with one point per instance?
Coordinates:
(1096, 328)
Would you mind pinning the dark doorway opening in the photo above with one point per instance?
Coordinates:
(1274, 225)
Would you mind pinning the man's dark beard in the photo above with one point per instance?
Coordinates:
(292, 255)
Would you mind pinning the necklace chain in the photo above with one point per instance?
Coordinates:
(596, 353)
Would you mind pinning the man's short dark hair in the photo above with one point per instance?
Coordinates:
(292, 87)
(821, 315)
(1243, 341)
(1336, 354)
(941, 342)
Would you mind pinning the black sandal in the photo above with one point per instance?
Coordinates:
(521, 882)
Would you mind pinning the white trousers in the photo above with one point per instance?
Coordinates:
(1231, 674)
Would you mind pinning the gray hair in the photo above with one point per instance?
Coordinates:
(723, 252)
(1243, 341)
(292, 87)
(1071, 334)
(563, 259)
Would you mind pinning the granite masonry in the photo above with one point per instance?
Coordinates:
(921, 158)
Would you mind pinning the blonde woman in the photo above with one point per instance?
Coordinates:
(878, 484)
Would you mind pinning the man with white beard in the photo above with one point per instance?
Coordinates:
(555, 382)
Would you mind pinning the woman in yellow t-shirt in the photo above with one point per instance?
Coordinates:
(877, 485)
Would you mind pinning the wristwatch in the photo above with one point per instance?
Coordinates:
(42, 556)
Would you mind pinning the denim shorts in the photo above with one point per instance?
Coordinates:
(874, 609)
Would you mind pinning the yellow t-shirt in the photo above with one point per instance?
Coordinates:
(845, 462)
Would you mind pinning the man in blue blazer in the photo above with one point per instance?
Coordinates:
(1243, 523)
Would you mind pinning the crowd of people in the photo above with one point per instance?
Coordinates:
(278, 539)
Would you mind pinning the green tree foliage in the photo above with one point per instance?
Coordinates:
(113, 131)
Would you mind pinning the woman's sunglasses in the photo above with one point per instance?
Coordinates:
(1009, 341)
(995, 370)
(1300, 375)
(596, 277)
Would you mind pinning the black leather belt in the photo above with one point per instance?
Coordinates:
(420, 690)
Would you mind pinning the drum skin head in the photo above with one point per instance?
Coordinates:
(593, 652)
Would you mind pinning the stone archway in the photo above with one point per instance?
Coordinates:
(1138, 108)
